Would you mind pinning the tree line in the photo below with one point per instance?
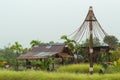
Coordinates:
(8, 54)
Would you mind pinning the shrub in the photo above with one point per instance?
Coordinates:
(2, 64)
(113, 69)
(79, 68)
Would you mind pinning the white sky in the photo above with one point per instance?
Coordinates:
(48, 20)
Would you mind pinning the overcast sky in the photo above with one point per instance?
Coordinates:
(47, 20)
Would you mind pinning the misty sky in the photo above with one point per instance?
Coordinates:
(47, 20)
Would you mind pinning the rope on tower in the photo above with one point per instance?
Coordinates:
(102, 29)
(95, 30)
(83, 32)
(101, 33)
(74, 32)
(80, 30)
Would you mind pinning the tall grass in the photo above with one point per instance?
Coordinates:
(113, 69)
(80, 68)
(39, 75)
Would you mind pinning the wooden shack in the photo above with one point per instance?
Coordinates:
(42, 52)
(45, 51)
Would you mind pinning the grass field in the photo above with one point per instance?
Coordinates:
(67, 72)
(40, 75)
(79, 68)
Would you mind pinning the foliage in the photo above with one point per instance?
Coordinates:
(70, 43)
(82, 56)
(79, 68)
(51, 42)
(17, 48)
(26, 50)
(43, 64)
(111, 56)
(3, 63)
(96, 42)
(48, 62)
(34, 43)
(112, 69)
(7, 55)
(111, 40)
(114, 66)
(40, 75)
(114, 55)
(75, 48)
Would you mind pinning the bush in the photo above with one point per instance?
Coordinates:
(79, 68)
(2, 64)
(113, 69)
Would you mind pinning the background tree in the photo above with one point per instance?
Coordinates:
(111, 40)
(96, 42)
(7, 55)
(18, 49)
(35, 43)
(25, 50)
(51, 42)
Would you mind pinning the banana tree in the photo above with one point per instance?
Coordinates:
(18, 49)
(69, 43)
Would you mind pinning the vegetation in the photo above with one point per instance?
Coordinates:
(17, 48)
(110, 62)
(71, 44)
(111, 40)
(43, 65)
(79, 68)
(113, 69)
(39, 75)
(34, 43)
(7, 55)
(96, 42)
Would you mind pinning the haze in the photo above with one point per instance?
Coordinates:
(48, 20)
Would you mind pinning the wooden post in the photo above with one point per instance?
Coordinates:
(16, 60)
(53, 64)
(91, 41)
(62, 61)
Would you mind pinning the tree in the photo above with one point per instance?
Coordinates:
(18, 49)
(34, 43)
(76, 48)
(7, 55)
(70, 43)
(96, 42)
(51, 42)
(111, 40)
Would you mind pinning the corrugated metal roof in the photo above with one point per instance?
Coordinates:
(45, 54)
(43, 51)
(44, 48)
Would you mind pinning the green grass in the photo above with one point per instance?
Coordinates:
(113, 69)
(40, 75)
(79, 68)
